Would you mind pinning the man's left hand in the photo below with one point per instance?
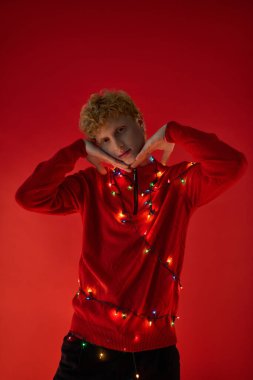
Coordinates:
(156, 142)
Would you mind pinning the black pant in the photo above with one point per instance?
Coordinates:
(81, 360)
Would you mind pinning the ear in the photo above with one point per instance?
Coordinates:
(140, 121)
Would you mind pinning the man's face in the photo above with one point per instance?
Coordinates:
(122, 138)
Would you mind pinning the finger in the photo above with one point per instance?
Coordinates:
(122, 165)
(97, 155)
(142, 155)
(166, 153)
(107, 160)
(165, 157)
(101, 169)
(114, 162)
(144, 152)
(138, 161)
(119, 164)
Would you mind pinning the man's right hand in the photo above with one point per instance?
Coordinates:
(96, 156)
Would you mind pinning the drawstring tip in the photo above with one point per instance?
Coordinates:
(136, 373)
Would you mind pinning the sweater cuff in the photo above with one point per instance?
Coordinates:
(79, 146)
(168, 137)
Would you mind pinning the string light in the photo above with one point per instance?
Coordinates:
(190, 164)
(101, 355)
(90, 294)
(116, 171)
(169, 260)
(152, 211)
(116, 310)
(125, 313)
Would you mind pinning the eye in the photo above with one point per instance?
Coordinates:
(105, 139)
(120, 129)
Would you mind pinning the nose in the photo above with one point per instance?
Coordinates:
(120, 146)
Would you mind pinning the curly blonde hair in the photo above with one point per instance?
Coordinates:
(104, 105)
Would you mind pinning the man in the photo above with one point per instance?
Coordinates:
(135, 213)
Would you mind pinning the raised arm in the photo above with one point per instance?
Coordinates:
(48, 190)
(218, 165)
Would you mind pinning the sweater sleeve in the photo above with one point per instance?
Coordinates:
(217, 166)
(47, 190)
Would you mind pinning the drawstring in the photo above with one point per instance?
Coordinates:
(135, 368)
(135, 192)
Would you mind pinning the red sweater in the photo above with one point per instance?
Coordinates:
(134, 232)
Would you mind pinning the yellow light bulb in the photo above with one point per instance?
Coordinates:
(190, 164)
(101, 355)
(169, 260)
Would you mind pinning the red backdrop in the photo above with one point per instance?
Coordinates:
(185, 61)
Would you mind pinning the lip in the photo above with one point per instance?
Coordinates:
(125, 153)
